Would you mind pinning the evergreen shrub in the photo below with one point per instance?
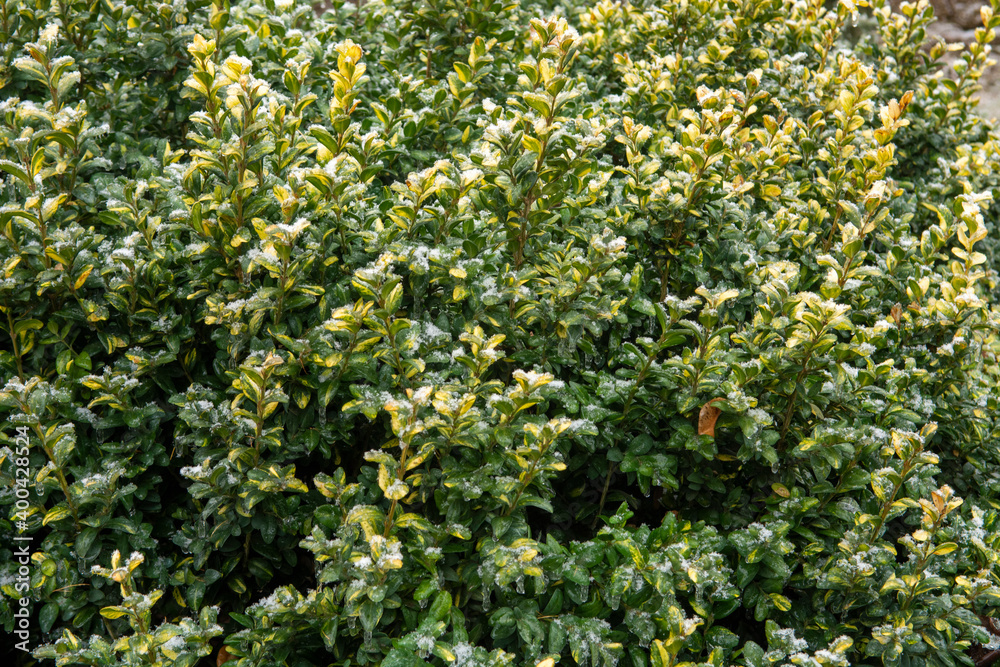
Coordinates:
(497, 333)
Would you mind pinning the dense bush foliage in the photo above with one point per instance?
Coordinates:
(495, 333)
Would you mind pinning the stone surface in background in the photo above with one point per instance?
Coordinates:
(963, 13)
(957, 21)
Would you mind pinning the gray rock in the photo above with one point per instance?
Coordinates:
(963, 13)
(966, 14)
(952, 32)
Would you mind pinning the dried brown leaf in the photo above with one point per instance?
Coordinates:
(707, 417)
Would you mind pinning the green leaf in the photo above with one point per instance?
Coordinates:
(26, 325)
(48, 616)
(84, 543)
(540, 103)
(720, 636)
(57, 513)
(370, 614)
(659, 656)
(400, 658)
(52, 205)
(259, 150)
(781, 602)
(753, 655)
(15, 170)
(114, 612)
(441, 607)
